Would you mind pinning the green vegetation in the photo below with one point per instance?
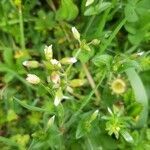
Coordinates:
(74, 74)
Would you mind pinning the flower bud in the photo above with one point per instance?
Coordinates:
(33, 79)
(55, 78)
(94, 115)
(48, 52)
(31, 64)
(95, 42)
(69, 89)
(89, 2)
(76, 34)
(58, 97)
(77, 83)
(140, 53)
(55, 62)
(68, 60)
(51, 121)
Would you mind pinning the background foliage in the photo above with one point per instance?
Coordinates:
(92, 117)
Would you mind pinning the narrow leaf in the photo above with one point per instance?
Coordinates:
(140, 95)
(29, 107)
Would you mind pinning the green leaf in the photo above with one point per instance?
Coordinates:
(101, 60)
(140, 95)
(134, 109)
(8, 142)
(67, 11)
(80, 130)
(29, 107)
(8, 57)
(130, 64)
(85, 55)
(94, 10)
(130, 13)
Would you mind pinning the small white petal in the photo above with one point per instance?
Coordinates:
(56, 101)
(89, 2)
(73, 59)
(140, 53)
(25, 63)
(76, 34)
(33, 79)
(48, 52)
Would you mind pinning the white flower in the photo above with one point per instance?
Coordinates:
(76, 34)
(73, 60)
(48, 52)
(68, 60)
(25, 63)
(55, 62)
(140, 53)
(33, 79)
(89, 2)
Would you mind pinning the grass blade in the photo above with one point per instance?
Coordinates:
(140, 95)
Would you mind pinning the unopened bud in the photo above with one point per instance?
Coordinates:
(95, 42)
(68, 60)
(33, 79)
(55, 77)
(140, 53)
(31, 64)
(94, 115)
(76, 34)
(77, 82)
(55, 62)
(51, 121)
(48, 52)
(69, 89)
(89, 2)
(58, 97)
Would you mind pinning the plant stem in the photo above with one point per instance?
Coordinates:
(22, 40)
(48, 90)
(92, 83)
(84, 103)
(76, 55)
(112, 36)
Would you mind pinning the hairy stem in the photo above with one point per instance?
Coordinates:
(22, 40)
(92, 83)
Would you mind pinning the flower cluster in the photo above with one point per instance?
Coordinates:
(57, 76)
